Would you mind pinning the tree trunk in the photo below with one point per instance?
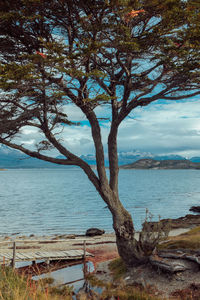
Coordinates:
(128, 247)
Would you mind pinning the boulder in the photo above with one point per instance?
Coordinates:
(195, 209)
(94, 231)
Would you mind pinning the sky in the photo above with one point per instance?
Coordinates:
(159, 128)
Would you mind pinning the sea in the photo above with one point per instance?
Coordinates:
(63, 201)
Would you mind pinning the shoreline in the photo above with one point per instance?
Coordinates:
(178, 226)
(54, 238)
(104, 249)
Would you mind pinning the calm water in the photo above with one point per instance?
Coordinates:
(50, 201)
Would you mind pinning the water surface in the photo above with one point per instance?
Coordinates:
(51, 201)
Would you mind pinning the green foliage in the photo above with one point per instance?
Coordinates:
(91, 42)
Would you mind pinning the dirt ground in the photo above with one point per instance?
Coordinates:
(182, 285)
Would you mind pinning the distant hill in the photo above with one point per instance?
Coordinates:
(162, 164)
(11, 158)
(195, 159)
(132, 156)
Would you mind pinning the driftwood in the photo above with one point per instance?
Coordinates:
(167, 265)
(190, 257)
(193, 258)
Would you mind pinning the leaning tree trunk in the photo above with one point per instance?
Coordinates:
(129, 248)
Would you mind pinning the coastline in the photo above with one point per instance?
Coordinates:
(177, 226)
(104, 249)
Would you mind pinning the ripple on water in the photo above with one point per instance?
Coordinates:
(63, 200)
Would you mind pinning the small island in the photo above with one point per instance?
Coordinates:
(148, 163)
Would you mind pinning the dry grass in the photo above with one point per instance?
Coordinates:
(189, 240)
(118, 268)
(118, 288)
(16, 287)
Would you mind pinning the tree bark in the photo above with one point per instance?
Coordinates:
(128, 247)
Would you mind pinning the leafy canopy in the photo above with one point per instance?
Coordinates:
(122, 54)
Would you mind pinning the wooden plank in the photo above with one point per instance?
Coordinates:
(27, 256)
(20, 256)
(7, 255)
(41, 254)
(53, 255)
(74, 252)
(37, 256)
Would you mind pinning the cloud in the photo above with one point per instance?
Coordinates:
(163, 128)
(160, 128)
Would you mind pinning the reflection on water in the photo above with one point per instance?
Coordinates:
(22, 264)
(63, 201)
(71, 275)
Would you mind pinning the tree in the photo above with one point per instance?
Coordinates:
(119, 54)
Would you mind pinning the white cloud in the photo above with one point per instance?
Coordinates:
(163, 128)
(169, 128)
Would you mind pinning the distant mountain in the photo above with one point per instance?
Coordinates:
(162, 164)
(10, 158)
(13, 159)
(132, 156)
(195, 159)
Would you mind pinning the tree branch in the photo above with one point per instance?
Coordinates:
(96, 131)
(181, 97)
(38, 155)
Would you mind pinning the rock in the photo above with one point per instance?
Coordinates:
(195, 209)
(166, 265)
(94, 231)
(188, 221)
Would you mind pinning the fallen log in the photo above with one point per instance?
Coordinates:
(193, 258)
(167, 265)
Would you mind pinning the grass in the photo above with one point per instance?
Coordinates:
(189, 240)
(126, 293)
(118, 268)
(118, 288)
(16, 287)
